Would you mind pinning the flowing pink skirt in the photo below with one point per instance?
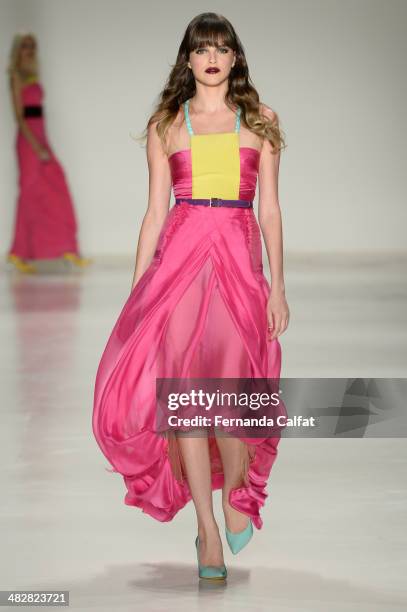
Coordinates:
(199, 310)
(44, 225)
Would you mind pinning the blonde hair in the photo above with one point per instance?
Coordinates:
(14, 63)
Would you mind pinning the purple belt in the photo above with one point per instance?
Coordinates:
(216, 202)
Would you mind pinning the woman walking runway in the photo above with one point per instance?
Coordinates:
(45, 225)
(200, 305)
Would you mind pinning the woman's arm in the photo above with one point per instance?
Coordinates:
(271, 227)
(16, 85)
(158, 203)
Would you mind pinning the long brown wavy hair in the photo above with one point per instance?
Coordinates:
(213, 29)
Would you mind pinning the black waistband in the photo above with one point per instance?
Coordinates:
(32, 111)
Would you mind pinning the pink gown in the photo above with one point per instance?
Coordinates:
(44, 225)
(199, 310)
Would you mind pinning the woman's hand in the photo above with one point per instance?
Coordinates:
(278, 314)
(43, 154)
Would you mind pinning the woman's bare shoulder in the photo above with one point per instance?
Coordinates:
(177, 136)
(161, 146)
(173, 127)
(267, 111)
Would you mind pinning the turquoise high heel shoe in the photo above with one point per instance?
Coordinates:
(210, 572)
(238, 540)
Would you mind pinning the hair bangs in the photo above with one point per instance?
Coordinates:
(212, 34)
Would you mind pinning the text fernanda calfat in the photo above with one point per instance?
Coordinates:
(217, 420)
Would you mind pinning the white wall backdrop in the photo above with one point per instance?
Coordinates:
(333, 70)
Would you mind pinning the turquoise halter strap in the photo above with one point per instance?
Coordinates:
(188, 120)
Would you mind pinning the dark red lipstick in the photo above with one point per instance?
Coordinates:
(212, 70)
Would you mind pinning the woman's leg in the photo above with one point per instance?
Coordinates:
(235, 462)
(195, 455)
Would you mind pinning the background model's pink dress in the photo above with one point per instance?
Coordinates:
(199, 310)
(45, 225)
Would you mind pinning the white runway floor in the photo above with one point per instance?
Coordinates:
(335, 522)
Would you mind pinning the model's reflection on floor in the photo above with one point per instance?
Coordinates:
(41, 359)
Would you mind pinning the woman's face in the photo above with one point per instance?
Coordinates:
(27, 49)
(211, 65)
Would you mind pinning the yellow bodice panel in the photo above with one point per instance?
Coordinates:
(215, 165)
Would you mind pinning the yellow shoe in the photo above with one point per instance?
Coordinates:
(21, 264)
(77, 260)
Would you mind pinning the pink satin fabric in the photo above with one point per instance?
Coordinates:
(45, 224)
(199, 310)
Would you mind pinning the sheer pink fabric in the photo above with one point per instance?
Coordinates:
(45, 225)
(199, 310)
